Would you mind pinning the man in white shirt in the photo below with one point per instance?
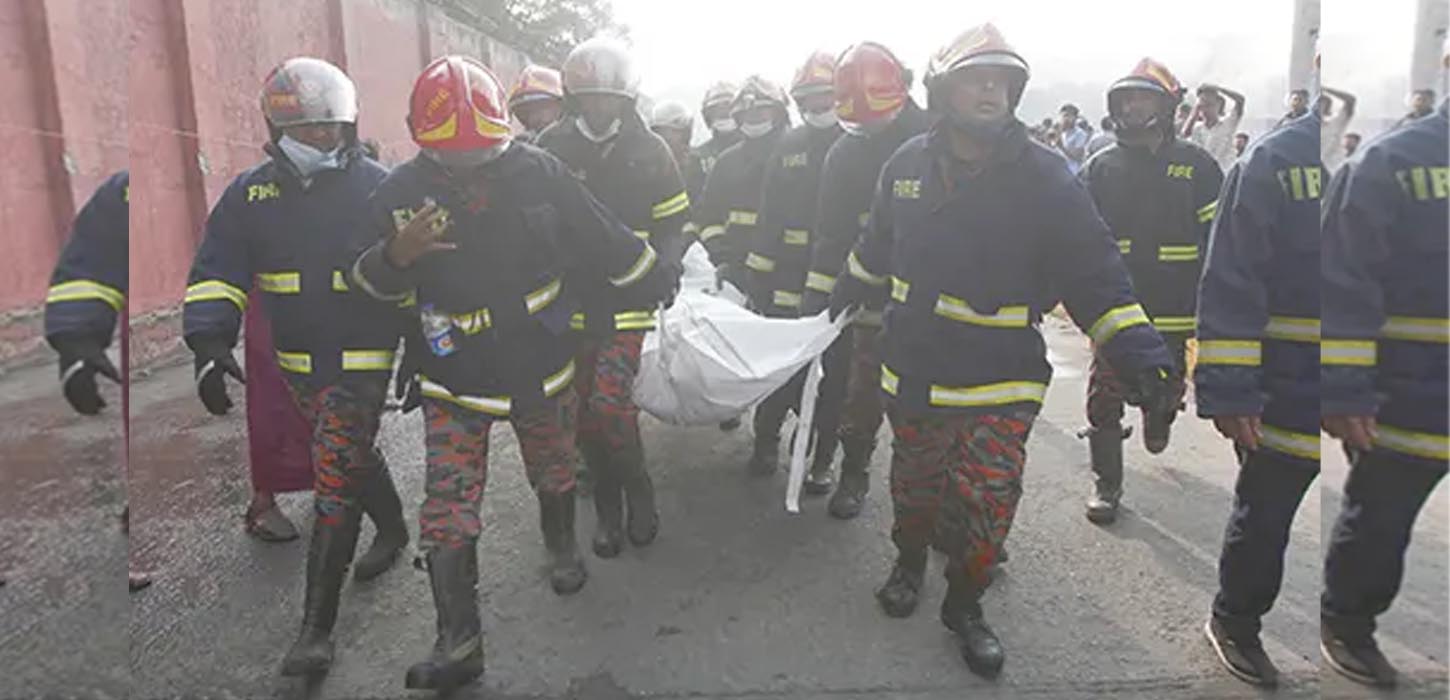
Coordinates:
(1073, 141)
(1335, 123)
(1211, 128)
(1103, 138)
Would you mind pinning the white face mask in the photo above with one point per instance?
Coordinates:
(307, 159)
(757, 129)
(820, 120)
(600, 137)
(724, 125)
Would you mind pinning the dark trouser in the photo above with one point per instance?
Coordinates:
(1105, 390)
(457, 463)
(1269, 489)
(1366, 560)
(344, 418)
(956, 480)
(862, 413)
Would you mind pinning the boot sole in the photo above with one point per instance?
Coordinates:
(1233, 670)
(568, 588)
(311, 667)
(1102, 518)
(817, 488)
(445, 681)
(1350, 673)
(608, 551)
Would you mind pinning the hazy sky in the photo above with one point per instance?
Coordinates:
(1075, 48)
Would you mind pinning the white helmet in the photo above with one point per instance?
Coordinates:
(673, 115)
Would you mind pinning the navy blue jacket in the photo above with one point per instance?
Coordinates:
(295, 245)
(730, 208)
(531, 239)
(1384, 269)
(780, 251)
(1258, 301)
(88, 287)
(973, 259)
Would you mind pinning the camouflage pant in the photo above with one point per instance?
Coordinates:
(1105, 390)
(457, 460)
(956, 479)
(862, 413)
(344, 419)
(608, 418)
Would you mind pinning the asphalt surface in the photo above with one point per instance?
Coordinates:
(737, 599)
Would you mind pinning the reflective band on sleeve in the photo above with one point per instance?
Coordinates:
(295, 362)
(1354, 353)
(1292, 329)
(818, 282)
(1206, 212)
(642, 235)
(859, 271)
(759, 263)
(1426, 445)
(1177, 253)
(634, 321)
(636, 272)
(900, 289)
(711, 232)
(870, 319)
(742, 218)
(1174, 324)
(1244, 353)
(786, 299)
(1115, 320)
(672, 206)
(797, 236)
(959, 310)
(280, 282)
(408, 298)
(576, 322)
(1125, 246)
(1291, 443)
(216, 290)
(540, 298)
(889, 381)
(367, 360)
(339, 281)
(988, 394)
(86, 290)
(1420, 330)
(494, 405)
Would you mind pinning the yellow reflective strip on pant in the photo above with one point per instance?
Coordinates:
(1297, 330)
(540, 298)
(759, 263)
(492, 405)
(367, 360)
(1125, 246)
(859, 271)
(280, 282)
(818, 282)
(1419, 330)
(339, 281)
(1243, 353)
(1426, 445)
(1353, 353)
(786, 299)
(742, 218)
(642, 235)
(1115, 320)
(636, 272)
(900, 289)
(988, 394)
(959, 310)
(216, 290)
(1206, 212)
(796, 236)
(672, 206)
(1177, 253)
(710, 232)
(473, 322)
(889, 381)
(1290, 443)
(634, 321)
(86, 290)
(1174, 324)
(295, 362)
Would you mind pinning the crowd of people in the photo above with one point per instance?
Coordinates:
(520, 268)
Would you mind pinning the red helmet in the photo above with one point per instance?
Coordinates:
(536, 83)
(458, 105)
(982, 45)
(870, 86)
(1152, 76)
(814, 76)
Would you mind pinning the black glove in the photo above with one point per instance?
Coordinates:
(80, 362)
(213, 362)
(1153, 390)
(840, 304)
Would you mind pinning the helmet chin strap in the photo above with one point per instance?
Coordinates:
(598, 137)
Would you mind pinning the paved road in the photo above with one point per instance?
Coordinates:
(739, 599)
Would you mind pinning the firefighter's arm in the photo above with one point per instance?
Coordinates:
(607, 245)
(867, 275)
(221, 276)
(1357, 216)
(88, 286)
(1232, 293)
(710, 217)
(1207, 183)
(834, 231)
(670, 208)
(763, 247)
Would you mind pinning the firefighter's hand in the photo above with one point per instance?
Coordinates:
(214, 362)
(840, 304)
(1358, 432)
(80, 362)
(420, 236)
(1154, 391)
(1245, 431)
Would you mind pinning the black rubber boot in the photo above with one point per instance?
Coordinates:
(566, 568)
(328, 555)
(457, 656)
(961, 612)
(642, 522)
(898, 596)
(765, 457)
(850, 495)
(819, 481)
(1106, 445)
(381, 504)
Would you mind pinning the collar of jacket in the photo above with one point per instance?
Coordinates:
(1009, 148)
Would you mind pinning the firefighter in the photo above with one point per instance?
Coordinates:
(779, 253)
(1258, 372)
(87, 295)
(724, 132)
(974, 233)
(291, 224)
(1157, 194)
(537, 100)
(674, 123)
(495, 242)
(629, 169)
(874, 108)
(1384, 374)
